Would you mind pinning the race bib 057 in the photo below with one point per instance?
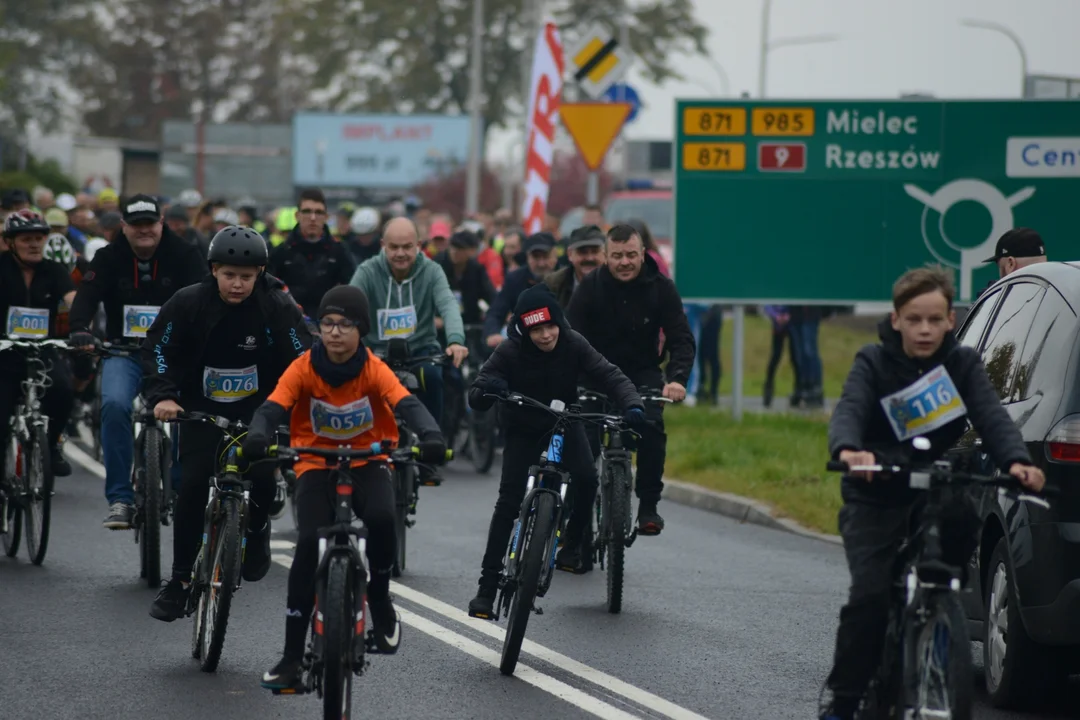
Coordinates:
(925, 405)
(341, 422)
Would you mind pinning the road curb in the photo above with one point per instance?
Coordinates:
(737, 507)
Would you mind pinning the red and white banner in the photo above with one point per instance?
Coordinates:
(545, 89)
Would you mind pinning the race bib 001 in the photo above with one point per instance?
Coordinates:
(397, 323)
(923, 406)
(341, 422)
(27, 323)
(138, 319)
(229, 385)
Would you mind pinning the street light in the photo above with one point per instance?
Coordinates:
(720, 73)
(476, 128)
(767, 45)
(1002, 30)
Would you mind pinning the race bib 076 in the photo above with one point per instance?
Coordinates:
(925, 405)
(27, 323)
(341, 422)
(230, 385)
(138, 319)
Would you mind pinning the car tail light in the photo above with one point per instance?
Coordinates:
(1063, 440)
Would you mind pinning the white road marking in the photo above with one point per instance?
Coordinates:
(534, 677)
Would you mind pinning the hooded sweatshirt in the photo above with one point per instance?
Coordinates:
(425, 289)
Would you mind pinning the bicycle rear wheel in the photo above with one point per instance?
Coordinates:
(616, 520)
(38, 483)
(95, 416)
(224, 575)
(539, 528)
(939, 672)
(9, 502)
(152, 479)
(338, 631)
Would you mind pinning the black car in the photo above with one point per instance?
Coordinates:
(1025, 576)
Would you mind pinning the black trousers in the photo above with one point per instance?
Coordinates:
(56, 403)
(315, 498)
(872, 537)
(200, 447)
(777, 352)
(522, 450)
(708, 352)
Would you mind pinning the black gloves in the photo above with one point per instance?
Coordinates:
(496, 386)
(255, 447)
(432, 452)
(81, 338)
(635, 418)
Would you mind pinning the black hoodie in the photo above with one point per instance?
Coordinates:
(859, 421)
(309, 269)
(546, 376)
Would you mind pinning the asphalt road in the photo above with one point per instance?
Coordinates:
(720, 620)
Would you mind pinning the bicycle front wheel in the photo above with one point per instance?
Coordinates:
(11, 539)
(540, 527)
(150, 537)
(338, 631)
(224, 575)
(939, 674)
(38, 484)
(616, 519)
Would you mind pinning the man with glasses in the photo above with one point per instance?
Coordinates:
(310, 261)
(133, 276)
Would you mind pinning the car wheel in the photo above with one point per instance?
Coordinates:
(1018, 670)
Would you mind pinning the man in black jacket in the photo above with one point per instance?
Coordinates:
(585, 249)
(133, 276)
(540, 252)
(468, 279)
(884, 406)
(542, 359)
(621, 309)
(219, 347)
(311, 261)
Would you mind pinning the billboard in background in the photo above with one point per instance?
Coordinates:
(376, 151)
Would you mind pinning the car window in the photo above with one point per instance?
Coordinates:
(1045, 350)
(1005, 337)
(977, 320)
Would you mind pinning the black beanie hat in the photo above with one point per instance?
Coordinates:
(349, 301)
(537, 306)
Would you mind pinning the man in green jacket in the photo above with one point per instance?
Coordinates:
(406, 291)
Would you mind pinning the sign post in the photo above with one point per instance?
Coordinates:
(827, 203)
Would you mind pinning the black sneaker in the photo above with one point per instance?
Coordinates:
(120, 516)
(575, 561)
(649, 521)
(386, 626)
(257, 554)
(287, 675)
(171, 601)
(430, 477)
(483, 605)
(60, 466)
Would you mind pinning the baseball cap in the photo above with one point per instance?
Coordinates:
(110, 220)
(542, 241)
(464, 239)
(1018, 243)
(439, 228)
(141, 207)
(56, 217)
(586, 236)
(108, 194)
(66, 202)
(175, 212)
(10, 198)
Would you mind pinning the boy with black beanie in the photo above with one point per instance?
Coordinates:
(542, 359)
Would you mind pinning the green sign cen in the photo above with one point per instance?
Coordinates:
(829, 202)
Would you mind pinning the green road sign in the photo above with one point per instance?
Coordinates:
(829, 202)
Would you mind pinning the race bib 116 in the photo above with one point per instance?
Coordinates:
(925, 405)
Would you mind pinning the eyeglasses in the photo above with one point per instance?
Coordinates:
(343, 325)
(309, 212)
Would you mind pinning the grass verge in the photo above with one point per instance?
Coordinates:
(777, 459)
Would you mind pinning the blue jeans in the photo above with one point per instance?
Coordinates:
(431, 384)
(120, 380)
(804, 341)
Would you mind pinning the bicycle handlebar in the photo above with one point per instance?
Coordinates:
(343, 454)
(8, 344)
(223, 423)
(653, 396)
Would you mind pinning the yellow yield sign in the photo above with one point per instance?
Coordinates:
(594, 126)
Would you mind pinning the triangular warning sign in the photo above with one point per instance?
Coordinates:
(594, 126)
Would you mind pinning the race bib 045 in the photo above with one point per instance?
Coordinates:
(925, 405)
(397, 323)
(138, 319)
(27, 323)
(229, 385)
(341, 422)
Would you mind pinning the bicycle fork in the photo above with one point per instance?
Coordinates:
(508, 579)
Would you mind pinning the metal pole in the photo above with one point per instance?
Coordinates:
(200, 148)
(476, 76)
(1007, 32)
(737, 351)
(624, 40)
(592, 189)
(763, 60)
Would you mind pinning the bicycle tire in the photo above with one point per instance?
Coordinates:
(200, 602)
(225, 572)
(12, 469)
(95, 417)
(945, 629)
(153, 457)
(482, 440)
(534, 543)
(38, 483)
(618, 514)
(402, 496)
(338, 630)
(13, 537)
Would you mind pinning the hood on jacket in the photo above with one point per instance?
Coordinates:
(536, 306)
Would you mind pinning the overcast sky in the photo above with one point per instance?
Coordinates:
(886, 48)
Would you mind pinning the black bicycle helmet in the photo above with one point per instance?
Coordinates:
(24, 222)
(237, 245)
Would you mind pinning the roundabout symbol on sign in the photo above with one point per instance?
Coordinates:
(967, 189)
